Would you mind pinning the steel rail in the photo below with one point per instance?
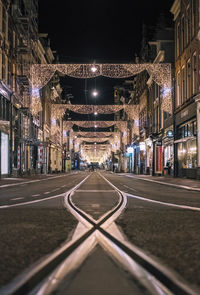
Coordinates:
(34, 278)
(175, 287)
(30, 279)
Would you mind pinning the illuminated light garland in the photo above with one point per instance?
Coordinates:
(93, 134)
(95, 139)
(57, 111)
(131, 110)
(36, 106)
(42, 73)
(92, 109)
(121, 125)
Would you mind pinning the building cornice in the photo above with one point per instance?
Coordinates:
(175, 9)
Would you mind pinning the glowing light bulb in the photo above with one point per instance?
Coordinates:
(93, 69)
(94, 93)
(95, 113)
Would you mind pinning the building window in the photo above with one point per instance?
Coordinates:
(4, 108)
(188, 78)
(193, 17)
(4, 21)
(183, 85)
(188, 21)
(178, 89)
(194, 73)
(182, 33)
(187, 130)
(178, 40)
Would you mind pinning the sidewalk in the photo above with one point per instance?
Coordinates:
(189, 184)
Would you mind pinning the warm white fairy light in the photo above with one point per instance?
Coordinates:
(41, 74)
(93, 68)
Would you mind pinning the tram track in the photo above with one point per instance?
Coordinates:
(47, 275)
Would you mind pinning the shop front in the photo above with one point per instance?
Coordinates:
(158, 157)
(187, 150)
(168, 152)
(130, 159)
(4, 138)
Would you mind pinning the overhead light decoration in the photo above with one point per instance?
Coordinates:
(95, 113)
(93, 68)
(41, 74)
(95, 92)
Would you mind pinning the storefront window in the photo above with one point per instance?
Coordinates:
(168, 154)
(189, 129)
(4, 153)
(187, 154)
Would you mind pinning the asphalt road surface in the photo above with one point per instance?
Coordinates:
(162, 220)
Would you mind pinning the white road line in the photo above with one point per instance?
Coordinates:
(36, 180)
(20, 198)
(130, 188)
(159, 202)
(94, 191)
(46, 193)
(37, 195)
(56, 189)
(164, 203)
(166, 183)
(44, 199)
(31, 202)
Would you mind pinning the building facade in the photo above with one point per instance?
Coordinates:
(27, 142)
(187, 87)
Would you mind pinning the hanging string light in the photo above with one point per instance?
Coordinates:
(42, 73)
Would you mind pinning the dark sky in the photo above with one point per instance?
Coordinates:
(101, 30)
(97, 30)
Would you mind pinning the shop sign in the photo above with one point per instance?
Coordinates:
(170, 133)
(130, 150)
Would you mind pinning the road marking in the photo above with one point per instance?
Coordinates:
(37, 195)
(164, 203)
(36, 180)
(130, 188)
(46, 193)
(44, 199)
(56, 189)
(93, 191)
(95, 205)
(17, 198)
(166, 183)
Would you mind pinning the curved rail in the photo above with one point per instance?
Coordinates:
(163, 282)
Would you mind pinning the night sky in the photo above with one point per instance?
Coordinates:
(100, 31)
